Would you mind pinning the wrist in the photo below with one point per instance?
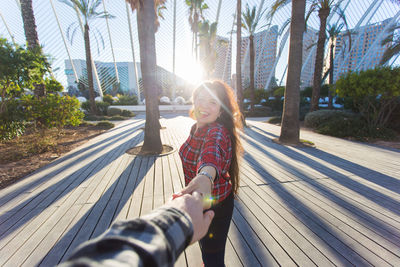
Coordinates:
(209, 177)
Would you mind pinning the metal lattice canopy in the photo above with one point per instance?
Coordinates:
(118, 46)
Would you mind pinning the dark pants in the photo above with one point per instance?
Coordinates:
(213, 244)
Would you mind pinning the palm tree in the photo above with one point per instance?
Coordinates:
(88, 10)
(196, 8)
(250, 23)
(333, 32)
(324, 8)
(290, 129)
(393, 44)
(147, 21)
(208, 55)
(239, 91)
(32, 38)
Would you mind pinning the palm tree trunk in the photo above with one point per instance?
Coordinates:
(323, 14)
(28, 19)
(89, 70)
(330, 96)
(32, 38)
(251, 72)
(239, 91)
(146, 30)
(290, 130)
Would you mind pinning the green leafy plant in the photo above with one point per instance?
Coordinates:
(52, 111)
(375, 93)
(124, 100)
(114, 111)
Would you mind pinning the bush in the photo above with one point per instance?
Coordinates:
(258, 112)
(344, 124)
(375, 93)
(125, 100)
(108, 99)
(275, 120)
(117, 118)
(114, 111)
(11, 129)
(105, 124)
(128, 113)
(316, 118)
(102, 107)
(52, 111)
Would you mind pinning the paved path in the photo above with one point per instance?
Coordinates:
(336, 204)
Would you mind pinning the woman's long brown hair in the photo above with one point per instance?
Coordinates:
(231, 118)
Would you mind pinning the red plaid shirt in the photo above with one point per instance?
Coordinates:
(209, 146)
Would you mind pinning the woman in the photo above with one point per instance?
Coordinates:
(210, 161)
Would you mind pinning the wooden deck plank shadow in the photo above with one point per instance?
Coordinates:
(336, 205)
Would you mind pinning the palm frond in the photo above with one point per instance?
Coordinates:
(390, 52)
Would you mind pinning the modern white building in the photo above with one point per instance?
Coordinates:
(362, 41)
(265, 44)
(310, 38)
(223, 64)
(106, 73)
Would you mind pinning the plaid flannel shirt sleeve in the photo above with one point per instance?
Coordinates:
(156, 239)
(214, 151)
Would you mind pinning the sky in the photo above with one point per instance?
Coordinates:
(51, 39)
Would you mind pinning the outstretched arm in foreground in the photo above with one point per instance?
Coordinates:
(156, 239)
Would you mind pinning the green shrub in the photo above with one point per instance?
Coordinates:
(11, 129)
(341, 125)
(105, 124)
(102, 107)
(128, 113)
(258, 112)
(275, 120)
(52, 111)
(108, 99)
(114, 111)
(117, 118)
(374, 92)
(125, 100)
(316, 118)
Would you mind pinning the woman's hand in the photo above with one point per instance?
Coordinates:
(200, 184)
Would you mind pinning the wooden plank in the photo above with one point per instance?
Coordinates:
(315, 224)
(137, 196)
(280, 237)
(351, 232)
(242, 248)
(193, 255)
(364, 212)
(261, 252)
(56, 253)
(231, 257)
(158, 183)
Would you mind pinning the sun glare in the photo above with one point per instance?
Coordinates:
(191, 71)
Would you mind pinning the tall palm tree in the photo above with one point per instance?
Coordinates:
(208, 55)
(196, 8)
(32, 38)
(324, 8)
(239, 90)
(250, 23)
(89, 11)
(146, 22)
(290, 129)
(333, 32)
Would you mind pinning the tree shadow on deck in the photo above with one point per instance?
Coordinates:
(77, 156)
(23, 213)
(379, 226)
(101, 214)
(341, 249)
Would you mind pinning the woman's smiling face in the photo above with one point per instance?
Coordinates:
(207, 108)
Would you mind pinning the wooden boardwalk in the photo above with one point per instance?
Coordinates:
(334, 205)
